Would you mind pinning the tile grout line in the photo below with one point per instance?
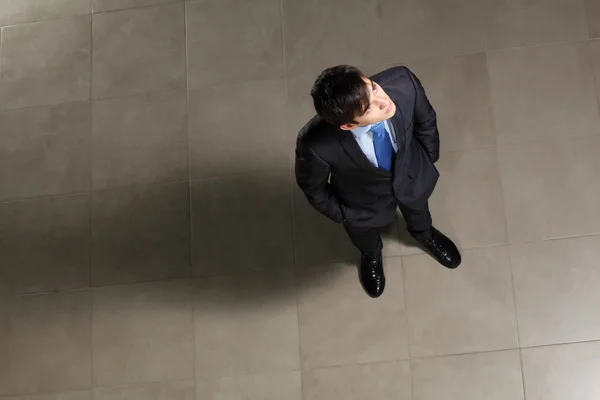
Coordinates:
(90, 205)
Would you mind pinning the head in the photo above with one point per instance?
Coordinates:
(345, 97)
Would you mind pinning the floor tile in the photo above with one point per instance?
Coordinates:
(562, 372)
(415, 29)
(147, 55)
(459, 90)
(592, 8)
(556, 290)
(467, 202)
(45, 151)
(79, 395)
(45, 63)
(234, 41)
(45, 343)
(524, 86)
(224, 138)
(332, 38)
(246, 324)
(248, 213)
(276, 386)
(143, 333)
(140, 140)
(595, 46)
(111, 5)
(45, 245)
(20, 11)
(179, 390)
(469, 309)
(371, 381)
(341, 325)
(551, 188)
(528, 23)
(140, 234)
(491, 376)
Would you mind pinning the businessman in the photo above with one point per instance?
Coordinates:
(371, 148)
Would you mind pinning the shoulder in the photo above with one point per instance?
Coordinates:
(316, 133)
(393, 76)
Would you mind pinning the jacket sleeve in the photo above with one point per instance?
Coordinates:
(312, 176)
(425, 130)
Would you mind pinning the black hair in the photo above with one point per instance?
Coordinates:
(340, 94)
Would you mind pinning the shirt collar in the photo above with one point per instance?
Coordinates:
(361, 130)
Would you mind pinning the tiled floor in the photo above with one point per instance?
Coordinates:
(154, 246)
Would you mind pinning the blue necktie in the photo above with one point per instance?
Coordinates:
(383, 146)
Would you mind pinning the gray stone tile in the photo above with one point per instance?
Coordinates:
(237, 129)
(242, 223)
(592, 8)
(45, 343)
(148, 53)
(245, 324)
(45, 245)
(140, 234)
(21, 11)
(470, 309)
(562, 372)
(140, 140)
(528, 23)
(45, 151)
(544, 92)
(45, 63)
(416, 29)
(78, 395)
(372, 381)
(275, 386)
(490, 376)
(233, 41)
(318, 35)
(551, 188)
(142, 333)
(180, 390)
(595, 46)
(111, 5)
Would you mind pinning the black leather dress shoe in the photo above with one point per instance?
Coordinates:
(443, 249)
(372, 277)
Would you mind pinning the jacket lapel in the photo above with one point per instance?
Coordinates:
(356, 154)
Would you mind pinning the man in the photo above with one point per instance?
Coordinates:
(372, 148)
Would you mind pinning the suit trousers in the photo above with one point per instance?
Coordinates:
(368, 240)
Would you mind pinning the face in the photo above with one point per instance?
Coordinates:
(381, 107)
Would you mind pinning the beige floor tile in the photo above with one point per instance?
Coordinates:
(45, 63)
(21, 11)
(592, 8)
(45, 245)
(45, 151)
(147, 55)
(459, 90)
(525, 84)
(45, 343)
(246, 324)
(275, 386)
(551, 188)
(140, 140)
(180, 390)
(242, 223)
(224, 142)
(79, 395)
(143, 333)
(234, 41)
(526, 23)
(595, 45)
(458, 311)
(467, 202)
(490, 376)
(556, 288)
(110, 5)
(371, 381)
(341, 325)
(415, 29)
(566, 372)
(141, 234)
(332, 37)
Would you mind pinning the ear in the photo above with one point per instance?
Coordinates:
(348, 127)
